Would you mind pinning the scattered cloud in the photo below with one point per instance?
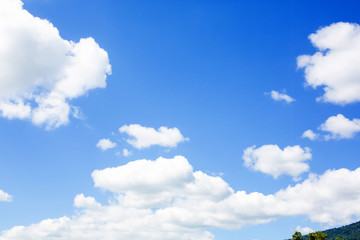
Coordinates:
(270, 159)
(126, 152)
(5, 197)
(337, 127)
(336, 65)
(41, 90)
(14, 109)
(304, 230)
(144, 137)
(164, 204)
(105, 144)
(281, 97)
(310, 135)
(340, 127)
(81, 201)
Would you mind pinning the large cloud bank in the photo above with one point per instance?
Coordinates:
(167, 199)
(336, 65)
(40, 71)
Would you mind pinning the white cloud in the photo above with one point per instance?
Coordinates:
(126, 152)
(15, 109)
(336, 127)
(281, 97)
(340, 127)
(336, 65)
(171, 201)
(331, 198)
(143, 137)
(105, 144)
(5, 197)
(81, 201)
(41, 72)
(310, 135)
(147, 176)
(270, 159)
(304, 230)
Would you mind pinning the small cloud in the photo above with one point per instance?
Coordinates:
(105, 144)
(81, 201)
(126, 152)
(5, 197)
(310, 135)
(77, 113)
(340, 127)
(304, 230)
(144, 137)
(272, 160)
(280, 97)
(336, 127)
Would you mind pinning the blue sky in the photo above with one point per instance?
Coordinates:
(235, 163)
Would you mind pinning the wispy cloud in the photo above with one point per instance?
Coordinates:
(126, 152)
(280, 97)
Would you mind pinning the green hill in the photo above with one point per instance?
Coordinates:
(348, 232)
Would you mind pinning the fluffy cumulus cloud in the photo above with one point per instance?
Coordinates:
(281, 97)
(270, 159)
(310, 134)
(41, 72)
(144, 137)
(329, 198)
(336, 65)
(105, 144)
(5, 197)
(172, 201)
(335, 127)
(81, 201)
(340, 127)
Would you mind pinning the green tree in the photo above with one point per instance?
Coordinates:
(337, 238)
(318, 236)
(297, 236)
